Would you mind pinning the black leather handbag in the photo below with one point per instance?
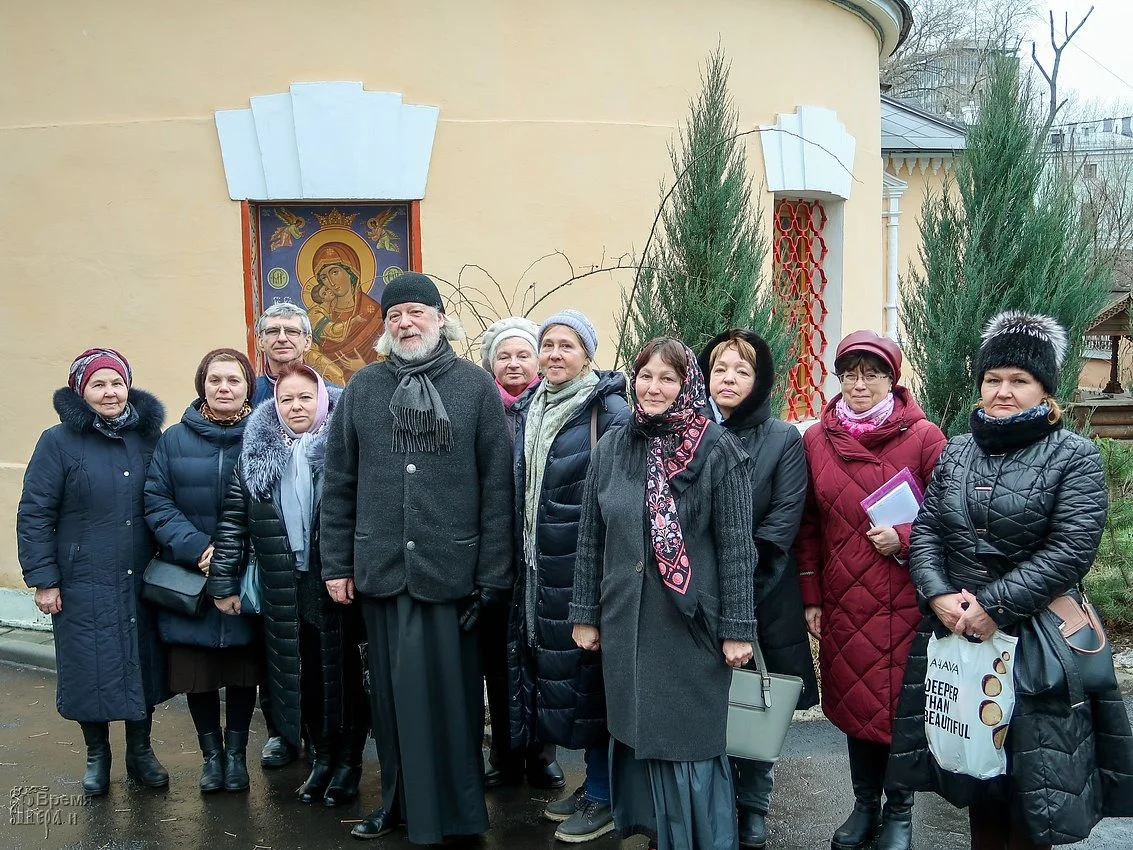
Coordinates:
(175, 588)
(1083, 632)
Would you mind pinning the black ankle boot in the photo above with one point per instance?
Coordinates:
(343, 785)
(896, 822)
(235, 760)
(212, 771)
(141, 764)
(96, 780)
(860, 827)
(322, 769)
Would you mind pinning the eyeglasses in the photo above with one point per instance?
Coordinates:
(849, 379)
(289, 332)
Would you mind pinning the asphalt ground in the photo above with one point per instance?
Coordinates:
(44, 753)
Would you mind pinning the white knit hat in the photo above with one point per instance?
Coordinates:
(509, 328)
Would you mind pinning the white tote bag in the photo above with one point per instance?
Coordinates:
(969, 700)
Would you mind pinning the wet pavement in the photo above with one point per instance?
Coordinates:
(42, 759)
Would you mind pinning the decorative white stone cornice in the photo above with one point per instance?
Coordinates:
(330, 141)
(890, 19)
(808, 153)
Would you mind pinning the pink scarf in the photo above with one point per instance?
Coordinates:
(862, 423)
(508, 399)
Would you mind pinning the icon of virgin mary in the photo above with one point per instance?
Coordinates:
(345, 320)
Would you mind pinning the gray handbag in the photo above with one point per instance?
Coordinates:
(760, 707)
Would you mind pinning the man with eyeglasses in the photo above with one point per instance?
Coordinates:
(283, 334)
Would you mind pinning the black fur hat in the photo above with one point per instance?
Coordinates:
(1027, 341)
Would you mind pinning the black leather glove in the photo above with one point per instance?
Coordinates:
(472, 605)
(470, 610)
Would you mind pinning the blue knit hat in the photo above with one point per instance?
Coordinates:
(577, 323)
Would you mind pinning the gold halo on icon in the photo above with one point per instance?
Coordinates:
(304, 263)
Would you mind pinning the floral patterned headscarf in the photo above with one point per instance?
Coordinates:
(673, 437)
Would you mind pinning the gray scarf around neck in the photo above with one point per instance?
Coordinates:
(297, 500)
(420, 421)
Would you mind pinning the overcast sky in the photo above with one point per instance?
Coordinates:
(1098, 64)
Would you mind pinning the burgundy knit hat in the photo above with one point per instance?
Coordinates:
(230, 354)
(93, 359)
(867, 342)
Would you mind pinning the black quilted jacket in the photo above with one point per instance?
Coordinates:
(557, 688)
(1038, 514)
(252, 520)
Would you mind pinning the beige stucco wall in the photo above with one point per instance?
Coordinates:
(117, 229)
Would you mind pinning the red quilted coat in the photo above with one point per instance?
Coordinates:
(869, 606)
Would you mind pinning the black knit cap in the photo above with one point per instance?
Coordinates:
(1026, 341)
(411, 288)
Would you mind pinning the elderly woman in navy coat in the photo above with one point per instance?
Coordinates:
(185, 488)
(559, 692)
(83, 546)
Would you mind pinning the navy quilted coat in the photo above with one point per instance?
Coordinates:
(191, 467)
(869, 607)
(1043, 507)
(80, 526)
(558, 687)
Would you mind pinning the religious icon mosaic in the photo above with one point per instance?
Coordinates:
(334, 260)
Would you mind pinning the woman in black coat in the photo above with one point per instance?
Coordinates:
(1012, 519)
(741, 375)
(191, 467)
(559, 687)
(84, 545)
(271, 509)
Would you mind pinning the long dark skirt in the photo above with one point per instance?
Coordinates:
(428, 712)
(200, 669)
(682, 805)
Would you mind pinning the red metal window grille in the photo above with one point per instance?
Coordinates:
(800, 251)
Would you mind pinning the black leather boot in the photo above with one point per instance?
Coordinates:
(141, 764)
(867, 774)
(543, 769)
(96, 780)
(753, 829)
(212, 771)
(343, 785)
(322, 769)
(235, 760)
(896, 822)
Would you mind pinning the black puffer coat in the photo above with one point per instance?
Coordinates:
(253, 517)
(558, 687)
(1038, 512)
(778, 493)
(191, 468)
(81, 528)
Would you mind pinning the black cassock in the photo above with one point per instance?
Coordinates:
(428, 711)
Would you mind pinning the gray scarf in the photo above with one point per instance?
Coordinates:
(551, 408)
(125, 420)
(420, 421)
(297, 497)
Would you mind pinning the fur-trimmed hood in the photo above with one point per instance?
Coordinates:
(265, 452)
(756, 408)
(76, 414)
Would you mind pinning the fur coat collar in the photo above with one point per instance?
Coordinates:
(266, 450)
(78, 415)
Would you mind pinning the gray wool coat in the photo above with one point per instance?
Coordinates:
(666, 678)
(435, 525)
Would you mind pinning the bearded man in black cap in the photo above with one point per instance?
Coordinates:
(417, 527)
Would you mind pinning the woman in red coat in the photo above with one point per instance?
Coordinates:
(860, 602)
